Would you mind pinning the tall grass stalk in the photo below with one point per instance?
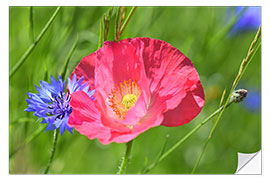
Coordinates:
(251, 52)
(28, 140)
(131, 13)
(106, 23)
(204, 147)
(64, 69)
(33, 45)
(168, 152)
(56, 132)
(122, 22)
(31, 24)
(147, 169)
(104, 26)
(100, 40)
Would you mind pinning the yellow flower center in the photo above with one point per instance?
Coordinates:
(129, 100)
(123, 97)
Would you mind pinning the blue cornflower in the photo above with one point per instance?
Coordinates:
(253, 100)
(250, 20)
(52, 104)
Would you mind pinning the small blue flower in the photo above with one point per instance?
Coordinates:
(52, 104)
(251, 19)
(253, 100)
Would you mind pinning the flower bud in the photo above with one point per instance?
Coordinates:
(238, 95)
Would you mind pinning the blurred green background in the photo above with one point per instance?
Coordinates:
(195, 31)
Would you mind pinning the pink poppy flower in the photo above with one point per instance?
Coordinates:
(140, 83)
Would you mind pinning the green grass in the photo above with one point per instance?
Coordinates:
(190, 29)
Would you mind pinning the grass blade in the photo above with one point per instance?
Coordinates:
(28, 140)
(251, 52)
(100, 41)
(146, 170)
(131, 13)
(31, 24)
(33, 45)
(205, 145)
(64, 69)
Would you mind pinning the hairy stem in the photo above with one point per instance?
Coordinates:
(123, 166)
(55, 137)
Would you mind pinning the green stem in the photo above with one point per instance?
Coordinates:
(123, 166)
(31, 24)
(191, 132)
(56, 131)
(117, 24)
(64, 69)
(55, 137)
(251, 52)
(200, 157)
(100, 41)
(186, 137)
(33, 45)
(204, 147)
(127, 20)
(27, 140)
(21, 120)
(146, 170)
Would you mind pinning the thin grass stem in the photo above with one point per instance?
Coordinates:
(40, 130)
(204, 147)
(116, 34)
(251, 52)
(21, 120)
(106, 20)
(27, 141)
(131, 13)
(33, 45)
(56, 132)
(31, 24)
(185, 137)
(100, 41)
(64, 69)
(146, 170)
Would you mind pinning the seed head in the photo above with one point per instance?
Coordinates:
(238, 95)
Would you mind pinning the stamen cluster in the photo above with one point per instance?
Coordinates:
(123, 97)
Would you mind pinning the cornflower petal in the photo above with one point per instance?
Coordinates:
(52, 104)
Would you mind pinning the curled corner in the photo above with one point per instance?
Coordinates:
(249, 163)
